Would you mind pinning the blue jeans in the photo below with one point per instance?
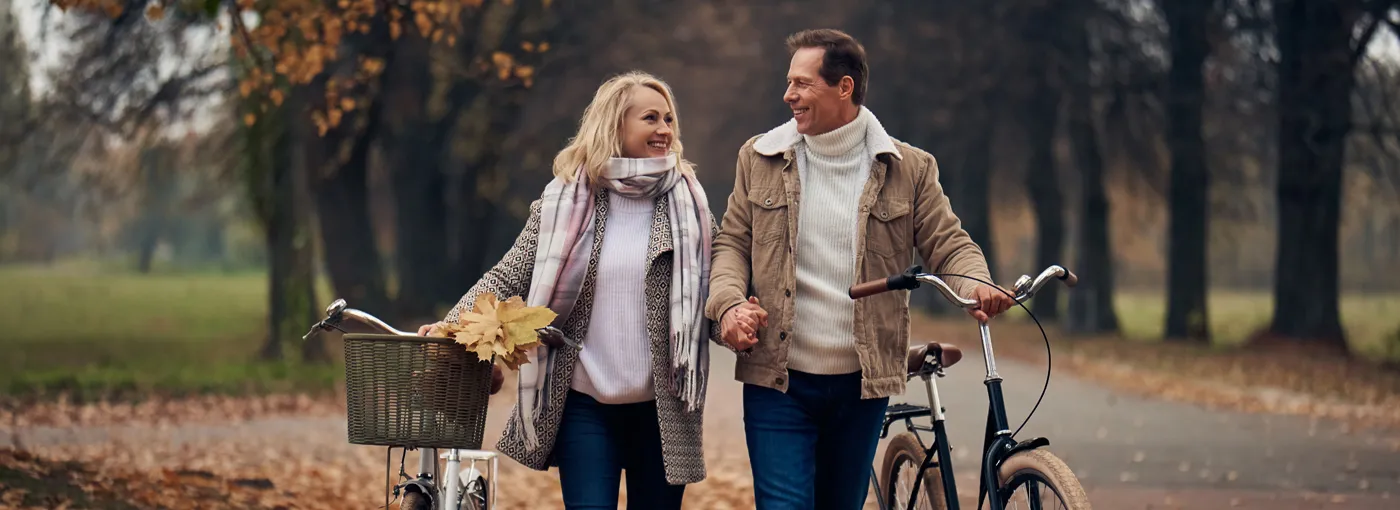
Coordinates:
(597, 441)
(812, 447)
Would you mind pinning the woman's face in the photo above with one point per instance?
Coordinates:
(646, 125)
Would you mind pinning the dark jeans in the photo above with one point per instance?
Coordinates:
(597, 441)
(813, 446)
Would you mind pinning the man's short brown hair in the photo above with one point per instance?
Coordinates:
(844, 56)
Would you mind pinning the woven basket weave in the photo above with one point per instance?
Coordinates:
(414, 391)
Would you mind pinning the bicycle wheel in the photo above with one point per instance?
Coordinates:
(900, 468)
(414, 500)
(1040, 476)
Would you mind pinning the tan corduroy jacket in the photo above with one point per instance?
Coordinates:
(903, 208)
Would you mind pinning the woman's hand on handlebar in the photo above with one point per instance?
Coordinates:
(992, 301)
(424, 329)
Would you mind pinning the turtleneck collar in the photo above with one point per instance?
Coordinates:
(841, 140)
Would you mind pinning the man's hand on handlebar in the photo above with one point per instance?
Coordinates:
(739, 325)
(991, 301)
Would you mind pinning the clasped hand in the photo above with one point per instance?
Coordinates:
(739, 325)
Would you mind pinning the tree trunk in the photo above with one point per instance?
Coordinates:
(158, 183)
(1315, 84)
(492, 114)
(975, 189)
(284, 198)
(414, 150)
(1187, 318)
(342, 199)
(1091, 304)
(1043, 186)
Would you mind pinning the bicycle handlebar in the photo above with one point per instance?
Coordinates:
(909, 280)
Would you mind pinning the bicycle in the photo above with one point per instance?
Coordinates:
(1006, 463)
(415, 392)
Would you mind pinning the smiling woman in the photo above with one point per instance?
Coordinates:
(620, 404)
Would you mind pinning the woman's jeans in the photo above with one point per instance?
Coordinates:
(598, 441)
(812, 447)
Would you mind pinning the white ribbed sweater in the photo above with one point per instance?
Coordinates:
(833, 168)
(614, 366)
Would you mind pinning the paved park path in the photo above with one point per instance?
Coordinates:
(1130, 452)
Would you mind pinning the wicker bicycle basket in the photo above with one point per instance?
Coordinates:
(414, 391)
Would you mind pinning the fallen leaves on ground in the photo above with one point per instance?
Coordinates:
(159, 410)
(283, 458)
(1278, 380)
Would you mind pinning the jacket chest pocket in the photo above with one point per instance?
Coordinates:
(890, 231)
(770, 214)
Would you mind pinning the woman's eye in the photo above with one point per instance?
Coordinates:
(649, 117)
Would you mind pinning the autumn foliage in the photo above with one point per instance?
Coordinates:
(280, 44)
(505, 329)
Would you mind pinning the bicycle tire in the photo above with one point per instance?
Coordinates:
(1046, 468)
(414, 500)
(904, 449)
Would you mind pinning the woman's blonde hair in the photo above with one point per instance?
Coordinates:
(599, 133)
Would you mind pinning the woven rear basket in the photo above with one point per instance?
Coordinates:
(414, 391)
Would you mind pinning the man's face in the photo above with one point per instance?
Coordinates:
(815, 105)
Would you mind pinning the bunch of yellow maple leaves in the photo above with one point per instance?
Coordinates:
(504, 329)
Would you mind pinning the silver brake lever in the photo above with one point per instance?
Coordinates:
(549, 331)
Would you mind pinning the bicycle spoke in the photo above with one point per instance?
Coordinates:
(1035, 495)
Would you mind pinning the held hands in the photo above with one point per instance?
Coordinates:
(739, 325)
(991, 302)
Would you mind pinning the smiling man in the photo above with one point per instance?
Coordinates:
(820, 203)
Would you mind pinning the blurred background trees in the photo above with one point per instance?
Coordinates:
(386, 151)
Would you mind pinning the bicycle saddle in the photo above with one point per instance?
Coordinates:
(945, 355)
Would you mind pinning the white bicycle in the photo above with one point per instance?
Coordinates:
(418, 393)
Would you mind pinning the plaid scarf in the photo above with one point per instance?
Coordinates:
(565, 245)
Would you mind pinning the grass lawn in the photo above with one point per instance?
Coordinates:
(82, 328)
(1370, 320)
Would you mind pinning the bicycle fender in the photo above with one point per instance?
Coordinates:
(1030, 444)
(421, 486)
(1000, 456)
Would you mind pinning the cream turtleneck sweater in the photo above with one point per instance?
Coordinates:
(833, 168)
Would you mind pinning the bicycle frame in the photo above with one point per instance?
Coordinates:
(455, 481)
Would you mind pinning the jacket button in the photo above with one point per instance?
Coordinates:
(778, 381)
(884, 214)
(787, 292)
(782, 335)
(768, 201)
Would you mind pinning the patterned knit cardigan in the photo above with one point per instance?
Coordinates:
(681, 448)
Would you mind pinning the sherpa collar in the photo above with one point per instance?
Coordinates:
(781, 138)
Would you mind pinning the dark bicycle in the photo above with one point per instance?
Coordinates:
(913, 468)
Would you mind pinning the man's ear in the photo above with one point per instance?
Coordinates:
(846, 87)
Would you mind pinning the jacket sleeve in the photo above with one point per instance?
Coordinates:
(731, 265)
(511, 276)
(941, 240)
